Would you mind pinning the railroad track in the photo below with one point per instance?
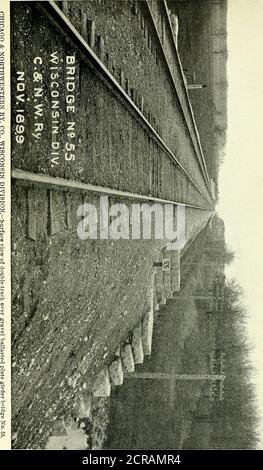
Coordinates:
(158, 175)
(125, 158)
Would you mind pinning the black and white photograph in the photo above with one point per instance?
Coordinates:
(136, 228)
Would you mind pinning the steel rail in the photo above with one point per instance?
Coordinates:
(186, 92)
(64, 184)
(201, 161)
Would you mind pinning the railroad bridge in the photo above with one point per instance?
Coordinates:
(99, 107)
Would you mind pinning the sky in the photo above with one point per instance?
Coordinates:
(241, 176)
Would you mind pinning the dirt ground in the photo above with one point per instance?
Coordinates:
(74, 302)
